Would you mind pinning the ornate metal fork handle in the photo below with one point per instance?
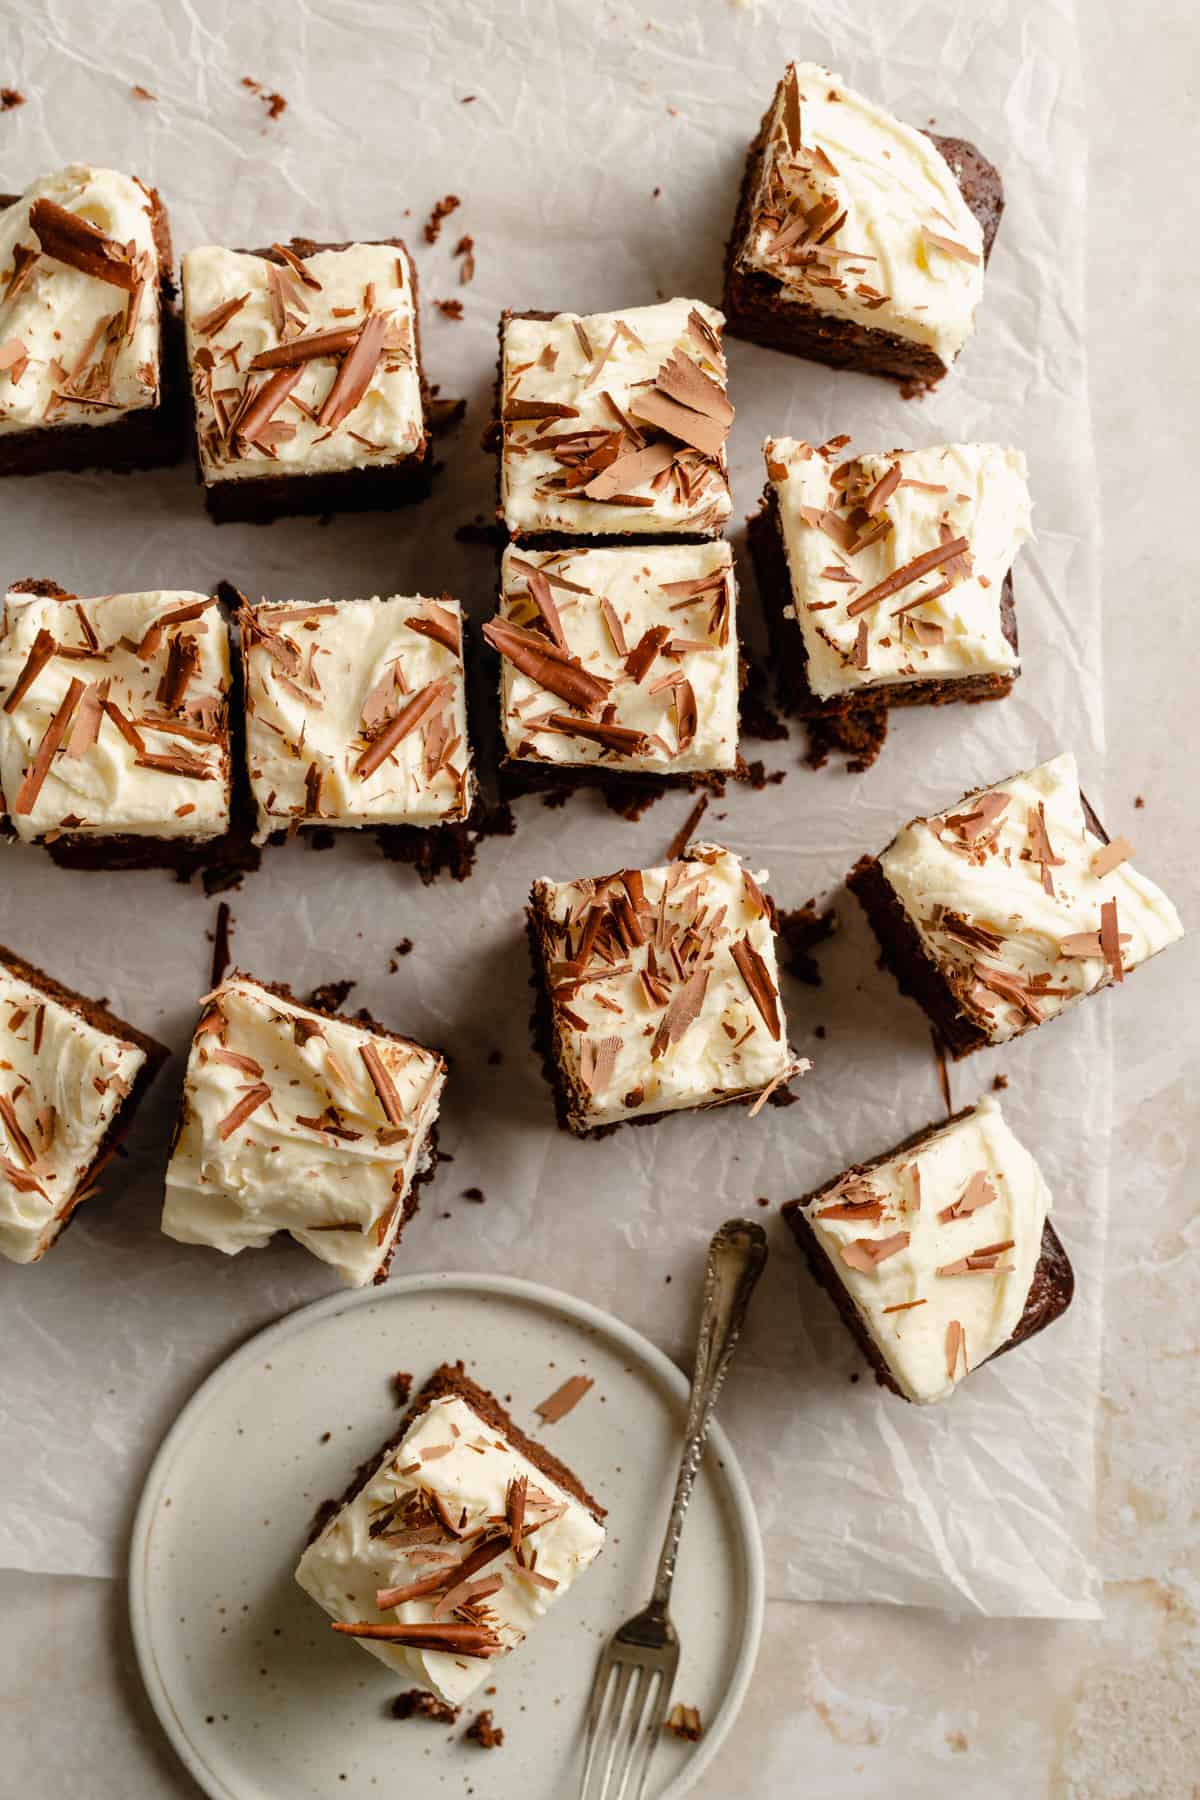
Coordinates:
(735, 1261)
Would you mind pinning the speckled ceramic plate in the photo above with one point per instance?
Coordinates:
(263, 1702)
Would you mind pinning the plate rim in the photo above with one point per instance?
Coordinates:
(511, 1286)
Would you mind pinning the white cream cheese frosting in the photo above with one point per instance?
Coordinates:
(860, 216)
(123, 699)
(450, 1464)
(656, 626)
(62, 1083)
(900, 1234)
(594, 444)
(357, 713)
(74, 349)
(663, 988)
(1012, 895)
(238, 307)
(849, 527)
(294, 1121)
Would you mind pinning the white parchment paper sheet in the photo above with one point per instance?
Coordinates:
(598, 161)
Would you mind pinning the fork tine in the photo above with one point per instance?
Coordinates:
(608, 1728)
(644, 1756)
(641, 1736)
(628, 1729)
(600, 1685)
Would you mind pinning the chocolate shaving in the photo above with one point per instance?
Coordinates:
(564, 1399)
(69, 239)
(908, 573)
(543, 599)
(882, 492)
(625, 740)
(753, 971)
(956, 1345)
(317, 344)
(630, 471)
(382, 1082)
(455, 1640)
(1110, 940)
(88, 714)
(354, 377)
(865, 1254)
(439, 623)
(1111, 856)
(546, 665)
(54, 734)
(407, 719)
(41, 651)
(681, 1014)
(978, 1192)
(21, 1143)
(687, 716)
(249, 1103)
(209, 323)
(641, 657)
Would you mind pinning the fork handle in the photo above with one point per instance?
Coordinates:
(735, 1261)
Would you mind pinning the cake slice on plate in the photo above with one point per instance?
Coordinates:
(450, 1546)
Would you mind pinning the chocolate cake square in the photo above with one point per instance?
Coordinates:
(298, 1119)
(72, 1076)
(306, 378)
(90, 336)
(1010, 907)
(887, 579)
(114, 726)
(938, 1254)
(619, 661)
(859, 241)
(356, 713)
(613, 425)
(658, 991)
(450, 1546)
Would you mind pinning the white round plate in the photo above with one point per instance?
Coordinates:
(263, 1702)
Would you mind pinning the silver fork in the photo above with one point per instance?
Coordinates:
(633, 1683)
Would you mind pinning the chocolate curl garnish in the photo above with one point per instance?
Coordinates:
(687, 717)
(39, 768)
(865, 1254)
(881, 493)
(457, 1640)
(956, 1346)
(910, 572)
(308, 349)
(546, 665)
(41, 651)
(538, 409)
(21, 1143)
(71, 240)
(514, 1507)
(791, 108)
(183, 663)
(1111, 856)
(641, 658)
(354, 377)
(180, 615)
(406, 720)
(682, 1013)
(543, 599)
(439, 623)
(382, 1082)
(1110, 940)
(625, 740)
(261, 406)
(630, 471)
(249, 1103)
(753, 971)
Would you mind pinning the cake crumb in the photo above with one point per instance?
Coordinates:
(450, 309)
(465, 248)
(1138, 801)
(999, 1083)
(331, 995)
(484, 1732)
(802, 929)
(403, 948)
(433, 224)
(417, 1704)
(474, 1193)
(684, 1722)
(142, 93)
(402, 1386)
(9, 98)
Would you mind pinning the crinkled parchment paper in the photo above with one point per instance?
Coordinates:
(598, 160)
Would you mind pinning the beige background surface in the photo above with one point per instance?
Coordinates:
(851, 1701)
